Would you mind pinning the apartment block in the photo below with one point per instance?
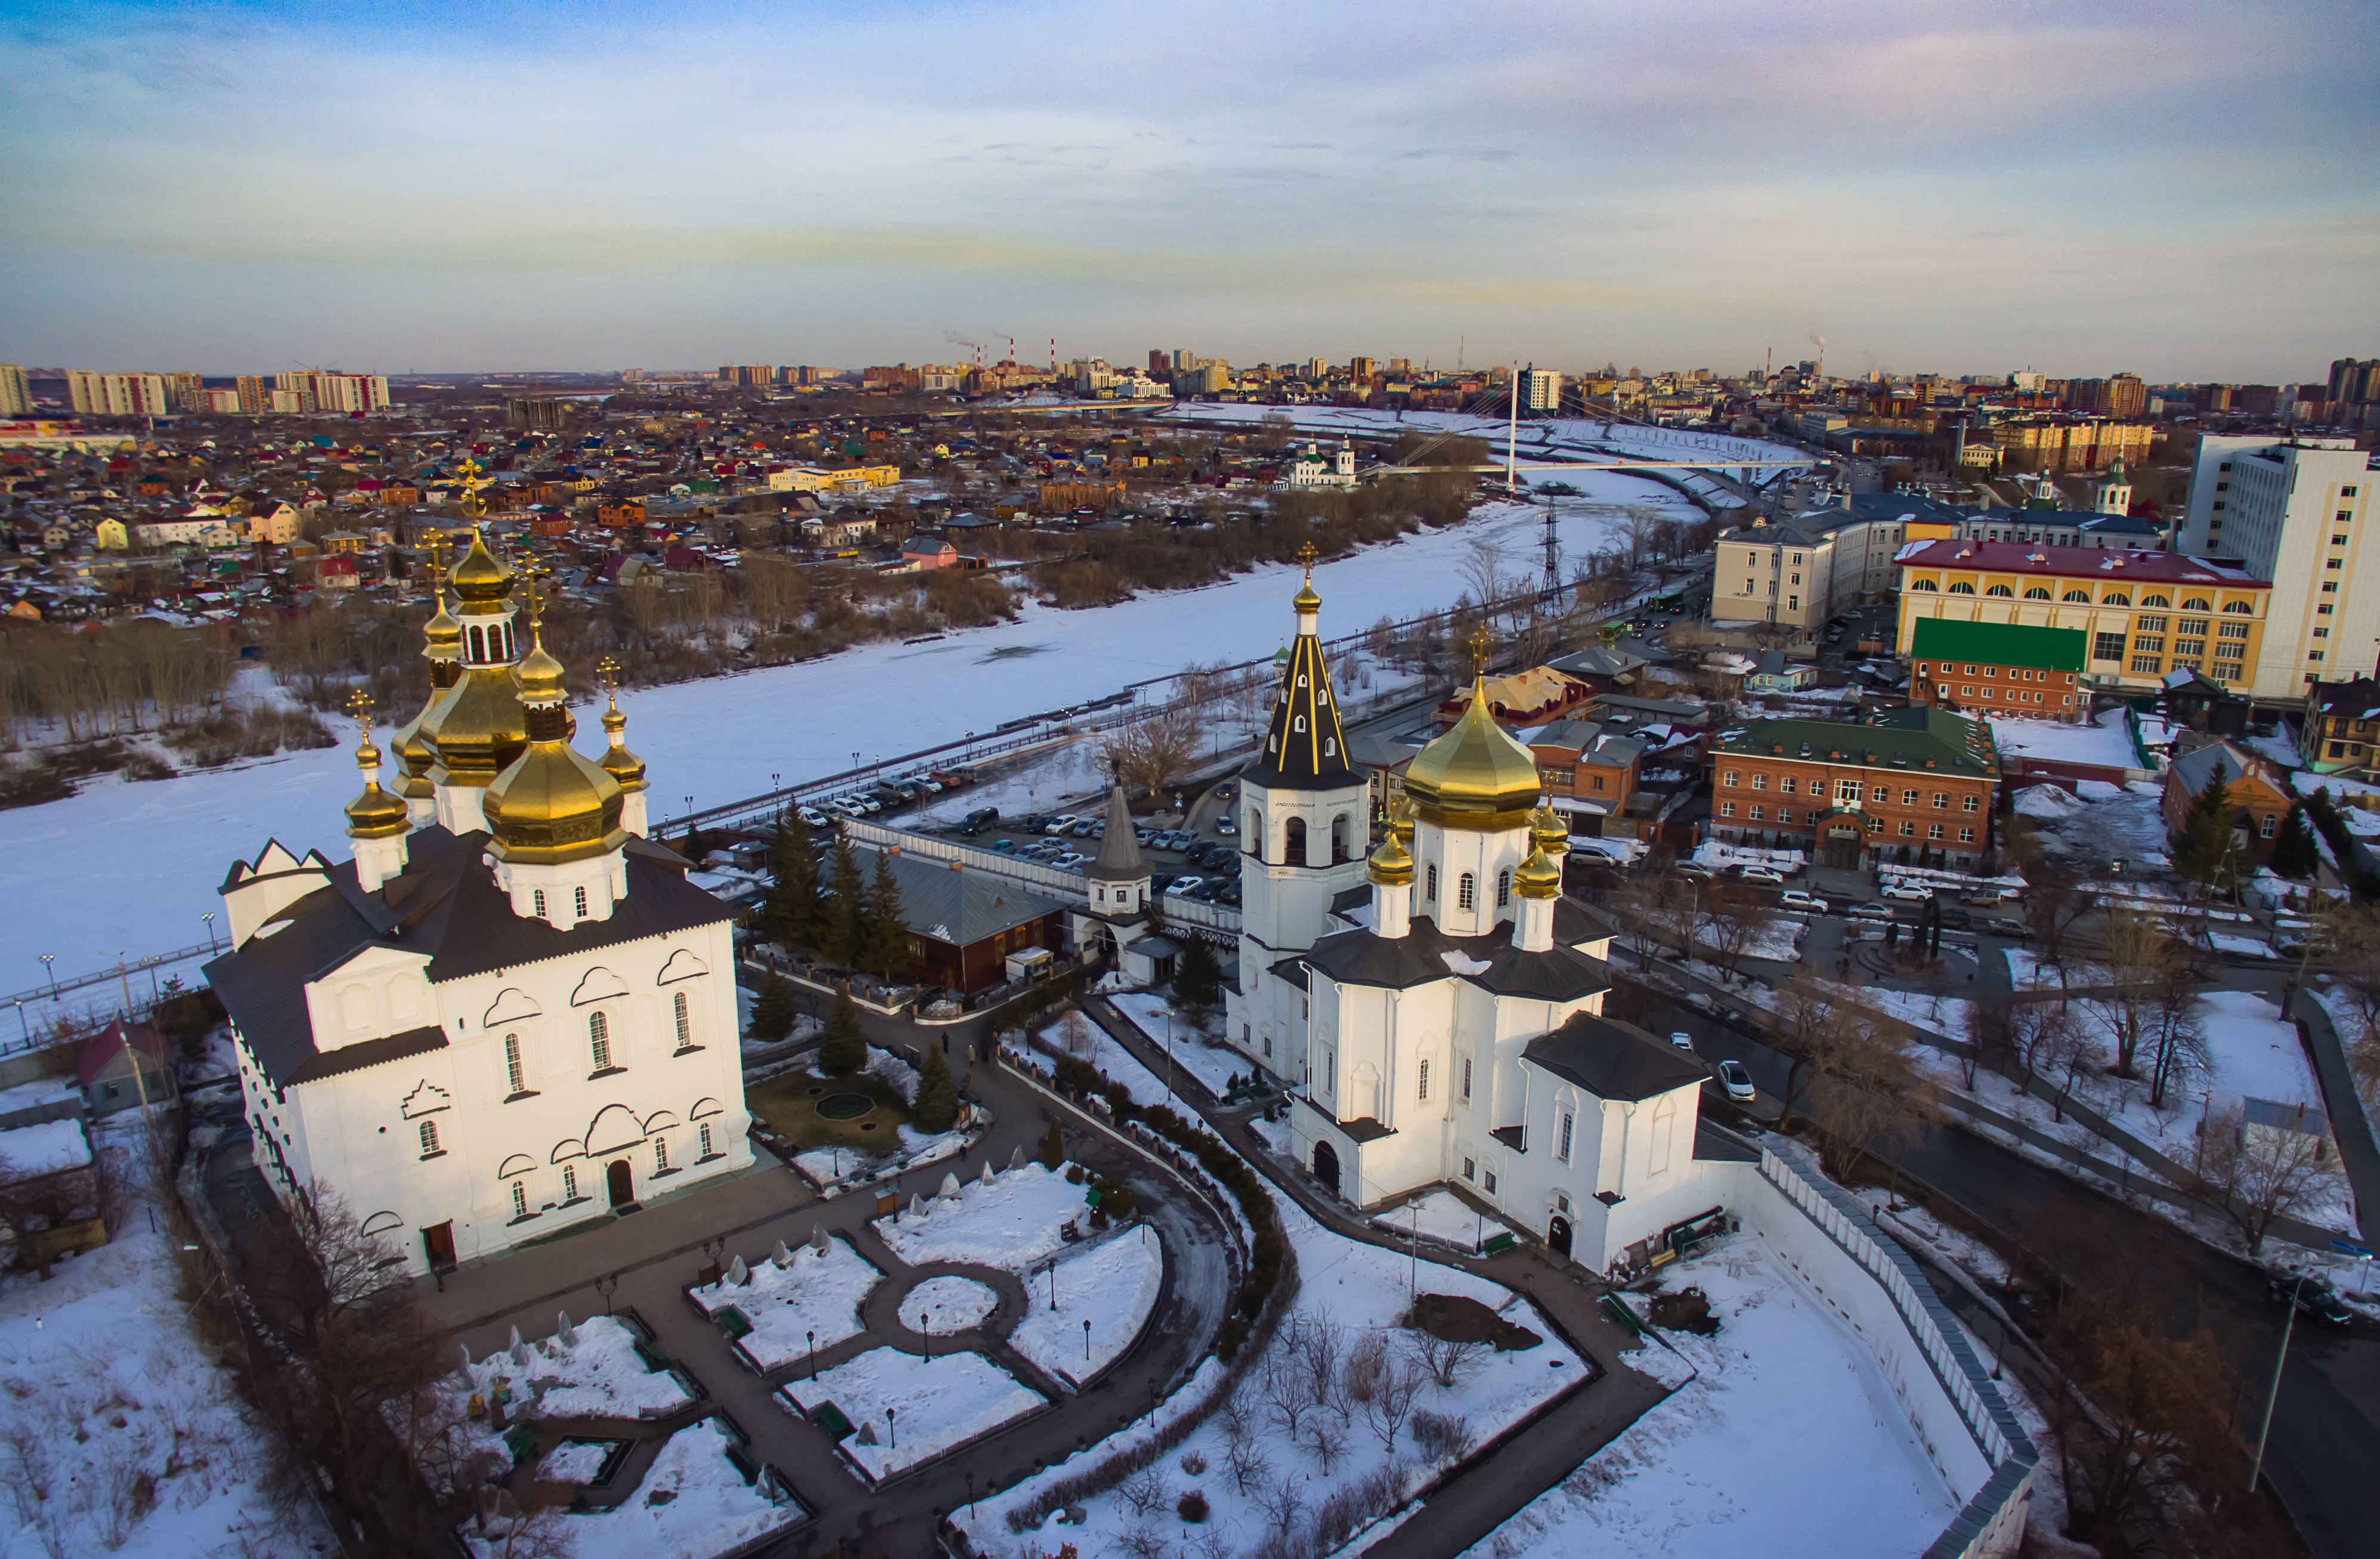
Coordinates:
(15, 400)
(321, 392)
(2340, 726)
(2144, 614)
(2297, 513)
(117, 395)
(1802, 571)
(2069, 443)
(1540, 390)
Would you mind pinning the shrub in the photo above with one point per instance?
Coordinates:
(1193, 1506)
(843, 1050)
(936, 1108)
(1193, 1463)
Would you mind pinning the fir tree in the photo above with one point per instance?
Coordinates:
(843, 1050)
(2205, 835)
(772, 1009)
(1197, 978)
(884, 936)
(2294, 854)
(1053, 1151)
(841, 938)
(796, 912)
(936, 1108)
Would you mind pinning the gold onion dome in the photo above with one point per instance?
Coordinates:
(375, 814)
(1551, 834)
(1474, 776)
(539, 675)
(1306, 600)
(479, 580)
(1392, 864)
(1539, 877)
(553, 804)
(618, 761)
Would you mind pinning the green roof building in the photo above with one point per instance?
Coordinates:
(2009, 671)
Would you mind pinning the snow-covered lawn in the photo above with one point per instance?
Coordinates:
(1441, 1215)
(1779, 939)
(1011, 1222)
(2256, 1053)
(1212, 1065)
(1937, 1015)
(573, 1461)
(947, 1303)
(936, 1403)
(1113, 1285)
(176, 837)
(1360, 1293)
(49, 1148)
(809, 1295)
(693, 1501)
(599, 1376)
(2106, 744)
(1788, 1442)
(1097, 1046)
(125, 1436)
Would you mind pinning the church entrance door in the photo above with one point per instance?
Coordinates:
(438, 1243)
(1841, 850)
(620, 1182)
(1326, 1164)
(1557, 1236)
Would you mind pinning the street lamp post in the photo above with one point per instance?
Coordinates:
(209, 919)
(49, 967)
(2288, 1323)
(1053, 1283)
(1087, 1341)
(813, 1337)
(22, 1023)
(892, 1428)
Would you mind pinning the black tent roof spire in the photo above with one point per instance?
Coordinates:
(1305, 746)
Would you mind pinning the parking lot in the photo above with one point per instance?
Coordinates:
(1197, 859)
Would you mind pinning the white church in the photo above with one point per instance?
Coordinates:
(506, 1012)
(1436, 1009)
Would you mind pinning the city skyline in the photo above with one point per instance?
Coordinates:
(562, 185)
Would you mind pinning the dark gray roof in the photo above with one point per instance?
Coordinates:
(1305, 746)
(950, 905)
(1119, 859)
(1561, 973)
(1612, 1060)
(446, 904)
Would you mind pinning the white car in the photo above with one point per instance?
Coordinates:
(1738, 1081)
(1906, 893)
(1794, 898)
(1769, 876)
(1182, 884)
(1059, 823)
(1683, 1039)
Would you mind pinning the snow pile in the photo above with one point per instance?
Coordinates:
(693, 1501)
(126, 1437)
(2101, 790)
(947, 1303)
(1462, 963)
(599, 1376)
(2049, 803)
(573, 1461)
(47, 1149)
(786, 1305)
(892, 1071)
(936, 1404)
(1787, 1415)
(1113, 1286)
(1011, 1222)
(1719, 854)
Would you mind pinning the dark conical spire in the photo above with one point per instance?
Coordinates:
(1305, 746)
(1119, 859)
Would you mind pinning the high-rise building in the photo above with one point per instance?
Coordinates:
(544, 413)
(15, 400)
(2123, 396)
(187, 392)
(2297, 513)
(1184, 359)
(1161, 361)
(117, 395)
(320, 391)
(2353, 381)
(1360, 369)
(1540, 390)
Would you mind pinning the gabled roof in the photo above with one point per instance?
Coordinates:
(1612, 1060)
(951, 905)
(1119, 858)
(1491, 962)
(2017, 644)
(1955, 744)
(2195, 770)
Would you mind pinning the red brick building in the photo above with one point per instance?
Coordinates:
(1915, 784)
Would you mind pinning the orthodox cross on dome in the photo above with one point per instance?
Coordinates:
(1482, 641)
(359, 708)
(473, 479)
(607, 671)
(1305, 556)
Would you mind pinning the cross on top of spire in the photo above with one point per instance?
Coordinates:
(1482, 641)
(1305, 556)
(360, 706)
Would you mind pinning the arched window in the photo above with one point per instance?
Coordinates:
(579, 901)
(1563, 1141)
(2239, 606)
(514, 1073)
(2115, 598)
(2156, 601)
(479, 644)
(1962, 588)
(1423, 1087)
(1339, 837)
(1465, 892)
(1503, 887)
(704, 1130)
(2082, 595)
(2197, 603)
(538, 900)
(520, 1200)
(569, 1182)
(1294, 842)
(1923, 584)
(1431, 893)
(1999, 591)
(598, 1038)
(428, 1138)
(684, 1015)
(660, 1155)
(2037, 593)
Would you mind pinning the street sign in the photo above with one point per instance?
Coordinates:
(2357, 1251)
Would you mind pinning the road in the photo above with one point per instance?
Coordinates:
(2326, 1434)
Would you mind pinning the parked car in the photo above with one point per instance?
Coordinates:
(1874, 910)
(1003, 846)
(2003, 927)
(1181, 885)
(1225, 826)
(1794, 898)
(1769, 875)
(1692, 868)
(1905, 893)
(813, 817)
(2313, 1297)
(979, 818)
(1738, 1082)
(1991, 898)
(1059, 823)
(1683, 1039)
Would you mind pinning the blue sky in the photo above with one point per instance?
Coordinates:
(2189, 192)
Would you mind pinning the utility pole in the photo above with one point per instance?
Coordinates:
(1511, 428)
(2257, 1466)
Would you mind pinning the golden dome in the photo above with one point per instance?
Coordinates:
(1476, 776)
(375, 815)
(1551, 834)
(1306, 600)
(476, 727)
(479, 580)
(539, 675)
(1401, 819)
(618, 761)
(413, 755)
(553, 805)
(1539, 877)
(1392, 864)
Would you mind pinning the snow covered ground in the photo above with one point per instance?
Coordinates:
(1359, 1291)
(693, 1501)
(599, 1376)
(936, 1403)
(786, 1305)
(2256, 1053)
(1213, 1065)
(1011, 1222)
(947, 1303)
(178, 837)
(2107, 743)
(1113, 1285)
(1787, 1419)
(126, 1438)
(1442, 1216)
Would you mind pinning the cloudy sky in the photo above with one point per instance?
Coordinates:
(2191, 191)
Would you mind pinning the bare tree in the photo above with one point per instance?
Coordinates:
(1247, 1465)
(1731, 927)
(1287, 1393)
(1145, 1491)
(2054, 901)
(1148, 750)
(2265, 1172)
(2141, 967)
(1283, 1500)
(1360, 1377)
(1318, 1346)
(1447, 1360)
(1392, 1401)
(1442, 1437)
(1328, 1440)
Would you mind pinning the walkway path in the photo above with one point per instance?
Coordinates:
(1537, 1453)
